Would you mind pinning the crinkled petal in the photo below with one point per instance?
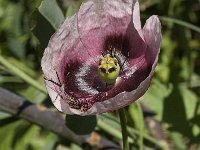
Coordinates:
(52, 62)
(68, 59)
(153, 38)
(53, 54)
(106, 18)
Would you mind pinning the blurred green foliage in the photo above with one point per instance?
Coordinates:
(174, 96)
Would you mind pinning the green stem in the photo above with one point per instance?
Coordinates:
(122, 117)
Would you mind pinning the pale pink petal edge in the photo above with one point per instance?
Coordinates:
(153, 37)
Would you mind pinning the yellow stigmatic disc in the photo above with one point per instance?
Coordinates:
(108, 69)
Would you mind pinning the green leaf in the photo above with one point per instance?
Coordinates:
(175, 113)
(34, 5)
(195, 130)
(8, 120)
(52, 12)
(22, 66)
(4, 115)
(81, 124)
(178, 141)
(70, 10)
(32, 94)
(21, 74)
(28, 136)
(10, 79)
(190, 101)
(21, 131)
(75, 147)
(6, 135)
(155, 96)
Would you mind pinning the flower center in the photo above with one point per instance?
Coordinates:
(108, 69)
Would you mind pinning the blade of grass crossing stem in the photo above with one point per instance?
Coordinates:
(137, 118)
(21, 74)
(110, 130)
(131, 131)
(141, 125)
(123, 121)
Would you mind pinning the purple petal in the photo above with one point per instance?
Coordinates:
(70, 61)
(105, 18)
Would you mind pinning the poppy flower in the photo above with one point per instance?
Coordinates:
(100, 59)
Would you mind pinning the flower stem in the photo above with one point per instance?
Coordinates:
(122, 117)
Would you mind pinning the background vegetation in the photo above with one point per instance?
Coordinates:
(167, 117)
